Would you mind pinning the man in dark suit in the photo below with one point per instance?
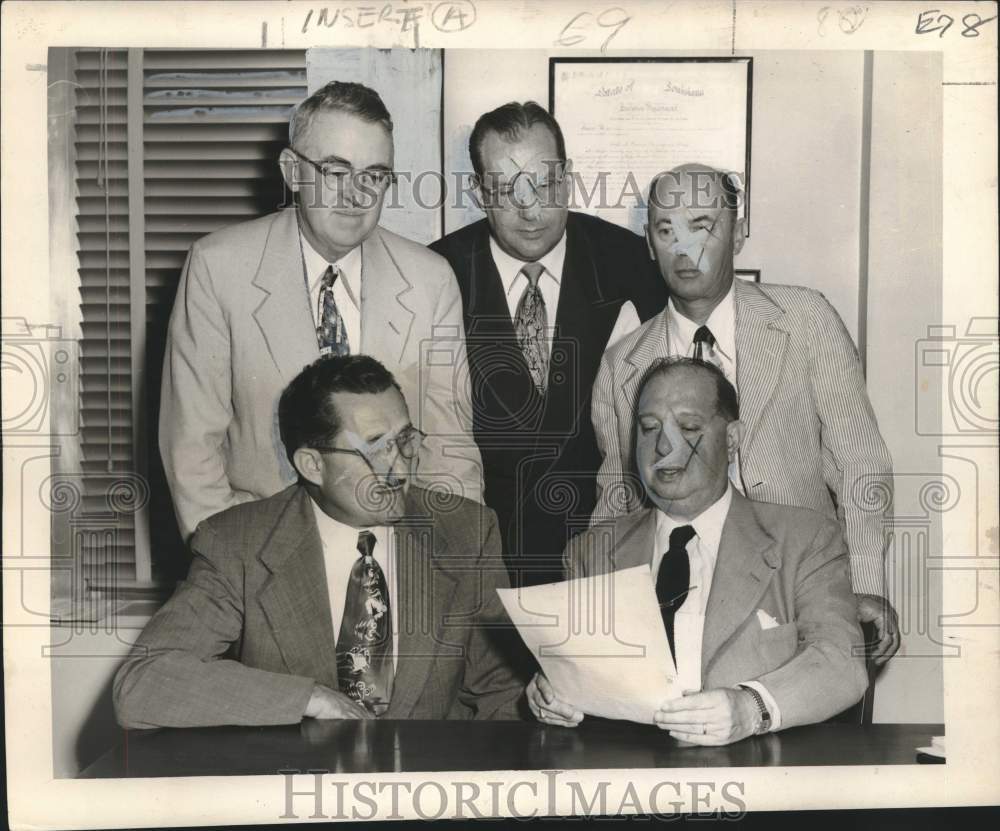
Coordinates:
(771, 626)
(350, 594)
(545, 290)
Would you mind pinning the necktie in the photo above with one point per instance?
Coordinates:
(330, 334)
(674, 579)
(531, 327)
(704, 343)
(364, 648)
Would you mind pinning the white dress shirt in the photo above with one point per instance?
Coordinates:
(722, 323)
(549, 283)
(346, 290)
(703, 551)
(514, 282)
(340, 552)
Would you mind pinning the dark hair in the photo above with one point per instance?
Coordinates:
(306, 414)
(729, 184)
(726, 403)
(339, 96)
(509, 121)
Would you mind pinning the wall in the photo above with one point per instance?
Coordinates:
(904, 299)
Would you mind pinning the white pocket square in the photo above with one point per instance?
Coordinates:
(766, 621)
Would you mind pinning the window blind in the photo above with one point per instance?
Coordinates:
(213, 123)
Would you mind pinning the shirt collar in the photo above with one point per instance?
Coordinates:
(707, 525)
(349, 265)
(509, 267)
(330, 530)
(721, 322)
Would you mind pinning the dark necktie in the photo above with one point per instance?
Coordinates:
(330, 334)
(704, 341)
(364, 648)
(531, 327)
(674, 579)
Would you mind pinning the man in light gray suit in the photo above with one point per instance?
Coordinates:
(811, 436)
(259, 301)
(349, 595)
(766, 585)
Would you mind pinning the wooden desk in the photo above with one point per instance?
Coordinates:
(386, 746)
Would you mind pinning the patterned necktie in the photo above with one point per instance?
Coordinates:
(674, 579)
(531, 327)
(330, 334)
(364, 648)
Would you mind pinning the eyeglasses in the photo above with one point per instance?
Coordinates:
(407, 443)
(336, 175)
(525, 189)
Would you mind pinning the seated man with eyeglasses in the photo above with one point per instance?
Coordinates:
(260, 300)
(350, 594)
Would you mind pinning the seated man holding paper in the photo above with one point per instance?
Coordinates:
(760, 593)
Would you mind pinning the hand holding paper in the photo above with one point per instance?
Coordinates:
(600, 642)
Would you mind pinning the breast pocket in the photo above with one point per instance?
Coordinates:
(777, 645)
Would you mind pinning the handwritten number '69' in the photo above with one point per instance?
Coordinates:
(578, 27)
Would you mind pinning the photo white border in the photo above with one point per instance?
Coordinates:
(972, 692)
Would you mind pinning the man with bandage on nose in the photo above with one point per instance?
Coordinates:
(769, 622)
(812, 440)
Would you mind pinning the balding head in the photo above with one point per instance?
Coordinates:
(694, 234)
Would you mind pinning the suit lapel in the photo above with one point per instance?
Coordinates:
(283, 314)
(492, 343)
(294, 597)
(386, 318)
(652, 344)
(761, 341)
(637, 537)
(746, 562)
(423, 595)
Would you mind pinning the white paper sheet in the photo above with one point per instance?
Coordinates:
(601, 643)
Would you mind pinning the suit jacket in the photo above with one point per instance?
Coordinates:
(789, 562)
(811, 436)
(242, 329)
(247, 635)
(539, 452)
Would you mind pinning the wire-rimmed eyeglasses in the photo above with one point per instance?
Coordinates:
(338, 174)
(407, 442)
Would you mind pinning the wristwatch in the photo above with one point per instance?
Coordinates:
(765, 715)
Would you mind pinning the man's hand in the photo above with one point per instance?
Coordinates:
(327, 703)
(878, 610)
(547, 708)
(713, 717)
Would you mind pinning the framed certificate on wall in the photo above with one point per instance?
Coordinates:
(627, 119)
